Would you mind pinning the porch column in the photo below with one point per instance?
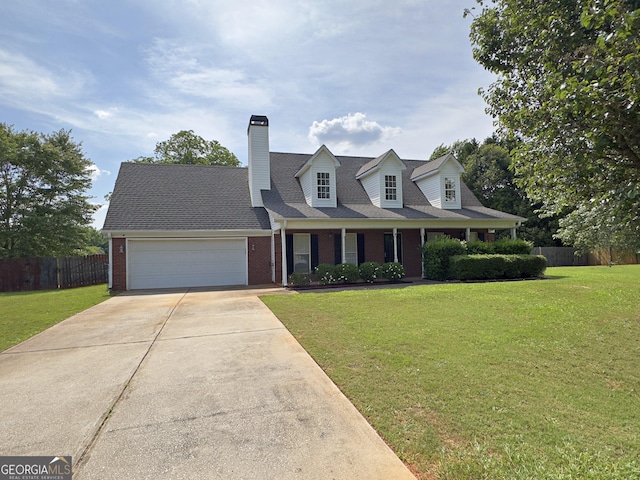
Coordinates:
(467, 234)
(422, 251)
(273, 256)
(283, 239)
(344, 244)
(395, 245)
(513, 233)
(110, 284)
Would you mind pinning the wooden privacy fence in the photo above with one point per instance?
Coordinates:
(22, 274)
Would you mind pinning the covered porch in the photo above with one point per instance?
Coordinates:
(299, 247)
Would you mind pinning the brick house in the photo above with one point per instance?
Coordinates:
(191, 225)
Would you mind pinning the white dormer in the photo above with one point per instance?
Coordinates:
(318, 179)
(382, 180)
(439, 181)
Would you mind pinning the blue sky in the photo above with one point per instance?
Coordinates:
(361, 76)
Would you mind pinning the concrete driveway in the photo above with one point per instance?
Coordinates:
(182, 385)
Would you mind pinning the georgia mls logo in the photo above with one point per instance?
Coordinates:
(35, 468)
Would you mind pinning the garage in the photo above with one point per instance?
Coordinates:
(179, 263)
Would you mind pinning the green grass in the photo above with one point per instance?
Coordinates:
(23, 314)
(515, 380)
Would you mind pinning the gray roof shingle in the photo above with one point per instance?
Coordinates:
(197, 197)
(286, 199)
(182, 197)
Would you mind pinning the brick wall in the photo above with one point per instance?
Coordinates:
(119, 264)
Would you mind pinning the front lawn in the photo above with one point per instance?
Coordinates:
(516, 380)
(23, 314)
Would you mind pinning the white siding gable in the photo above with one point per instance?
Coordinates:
(434, 183)
(325, 194)
(373, 178)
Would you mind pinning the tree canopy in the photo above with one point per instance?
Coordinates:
(568, 90)
(43, 201)
(489, 175)
(188, 148)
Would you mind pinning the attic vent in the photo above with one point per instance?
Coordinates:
(259, 120)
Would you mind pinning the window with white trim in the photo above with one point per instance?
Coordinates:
(351, 248)
(449, 189)
(301, 253)
(324, 185)
(390, 187)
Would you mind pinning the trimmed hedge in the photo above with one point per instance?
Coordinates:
(299, 279)
(437, 255)
(370, 271)
(326, 273)
(486, 267)
(347, 273)
(506, 246)
(393, 271)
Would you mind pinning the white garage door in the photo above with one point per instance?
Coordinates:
(187, 263)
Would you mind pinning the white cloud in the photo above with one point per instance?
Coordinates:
(95, 172)
(99, 216)
(193, 71)
(352, 130)
(24, 83)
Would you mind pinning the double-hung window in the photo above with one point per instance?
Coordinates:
(301, 253)
(324, 186)
(449, 189)
(390, 187)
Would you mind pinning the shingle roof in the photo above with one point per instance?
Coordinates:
(427, 167)
(182, 197)
(286, 199)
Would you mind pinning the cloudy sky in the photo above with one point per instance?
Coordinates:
(361, 76)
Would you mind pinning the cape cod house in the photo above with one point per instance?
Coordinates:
(198, 226)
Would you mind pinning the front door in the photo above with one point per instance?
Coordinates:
(388, 247)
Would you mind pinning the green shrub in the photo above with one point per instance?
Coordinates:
(533, 266)
(486, 267)
(370, 271)
(393, 271)
(506, 246)
(480, 248)
(326, 273)
(299, 279)
(437, 255)
(347, 273)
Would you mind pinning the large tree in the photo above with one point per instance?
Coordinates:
(43, 201)
(568, 90)
(188, 148)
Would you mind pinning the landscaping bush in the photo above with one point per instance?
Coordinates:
(437, 255)
(485, 267)
(393, 271)
(370, 271)
(326, 273)
(299, 279)
(479, 247)
(347, 273)
(506, 246)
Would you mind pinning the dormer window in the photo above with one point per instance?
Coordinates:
(318, 179)
(439, 181)
(390, 187)
(450, 190)
(324, 185)
(381, 178)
